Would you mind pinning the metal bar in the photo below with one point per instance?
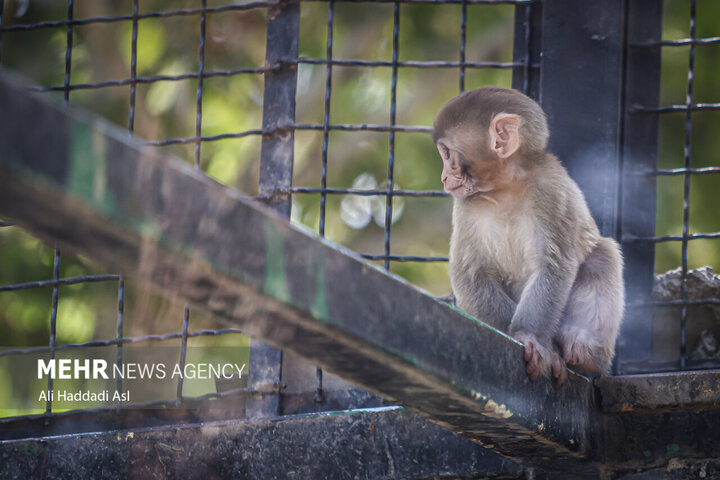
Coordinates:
(662, 392)
(319, 395)
(638, 192)
(260, 70)
(235, 7)
(326, 117)
(283, 285)
(131, 131)
(58, 282)
(584, 114)
(56, 259)
(683, 171)
(680, 42)
(199, 95)
(670, 238)
(2, 26)
(393, 113)
(463, 41)
(120, 341)
(133, 66)
(276, 167)
(527, 51)
(183, 352)
(53, 324)
(686, 188)
(697, 107)
(386, 443)
(120, 327)
(403, 258)
(276, 170)
(462, 64)
(69, 22)
(675, 303)
(68, 53)
(152, 79)
(280, 129)
(371, 193)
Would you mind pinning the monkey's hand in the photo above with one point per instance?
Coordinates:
(540, 359)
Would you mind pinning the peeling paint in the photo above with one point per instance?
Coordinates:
(319, 306)
(276, 282)
(87, 177)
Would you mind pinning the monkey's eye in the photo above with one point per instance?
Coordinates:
(445, 151)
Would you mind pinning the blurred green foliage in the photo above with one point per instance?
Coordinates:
(169, 46)
(704, 141)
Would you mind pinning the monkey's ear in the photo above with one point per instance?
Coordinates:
(505, 134)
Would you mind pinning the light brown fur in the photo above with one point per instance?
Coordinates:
(525, 254)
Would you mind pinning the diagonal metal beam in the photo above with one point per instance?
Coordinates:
(73, 179)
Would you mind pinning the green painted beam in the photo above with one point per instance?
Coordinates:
(72, 179)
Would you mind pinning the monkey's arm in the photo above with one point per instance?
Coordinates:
(543, 299)
(538, 314)
(483, 296)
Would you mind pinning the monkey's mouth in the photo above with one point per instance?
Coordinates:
(458, 191)
(452, 189)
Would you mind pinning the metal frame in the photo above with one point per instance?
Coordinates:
(271, 448)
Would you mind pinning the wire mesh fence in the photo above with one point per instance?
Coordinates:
(684, 165)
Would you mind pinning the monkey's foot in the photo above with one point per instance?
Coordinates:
(577, 351)
(559, 369)
(538, 358)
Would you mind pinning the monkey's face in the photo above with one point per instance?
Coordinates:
(461, 178)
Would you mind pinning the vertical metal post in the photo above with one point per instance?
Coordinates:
(686, 184)
(2, 7)
(527, 49)
(589, 79)
(393, 115)
(581, 91)
(638, 192)
(276, 168)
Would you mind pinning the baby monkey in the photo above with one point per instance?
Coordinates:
(525, 254)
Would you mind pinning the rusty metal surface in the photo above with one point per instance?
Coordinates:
(661, 392)
(152, 217)
(388, 443)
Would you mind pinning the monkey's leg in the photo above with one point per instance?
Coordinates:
(592, 315)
